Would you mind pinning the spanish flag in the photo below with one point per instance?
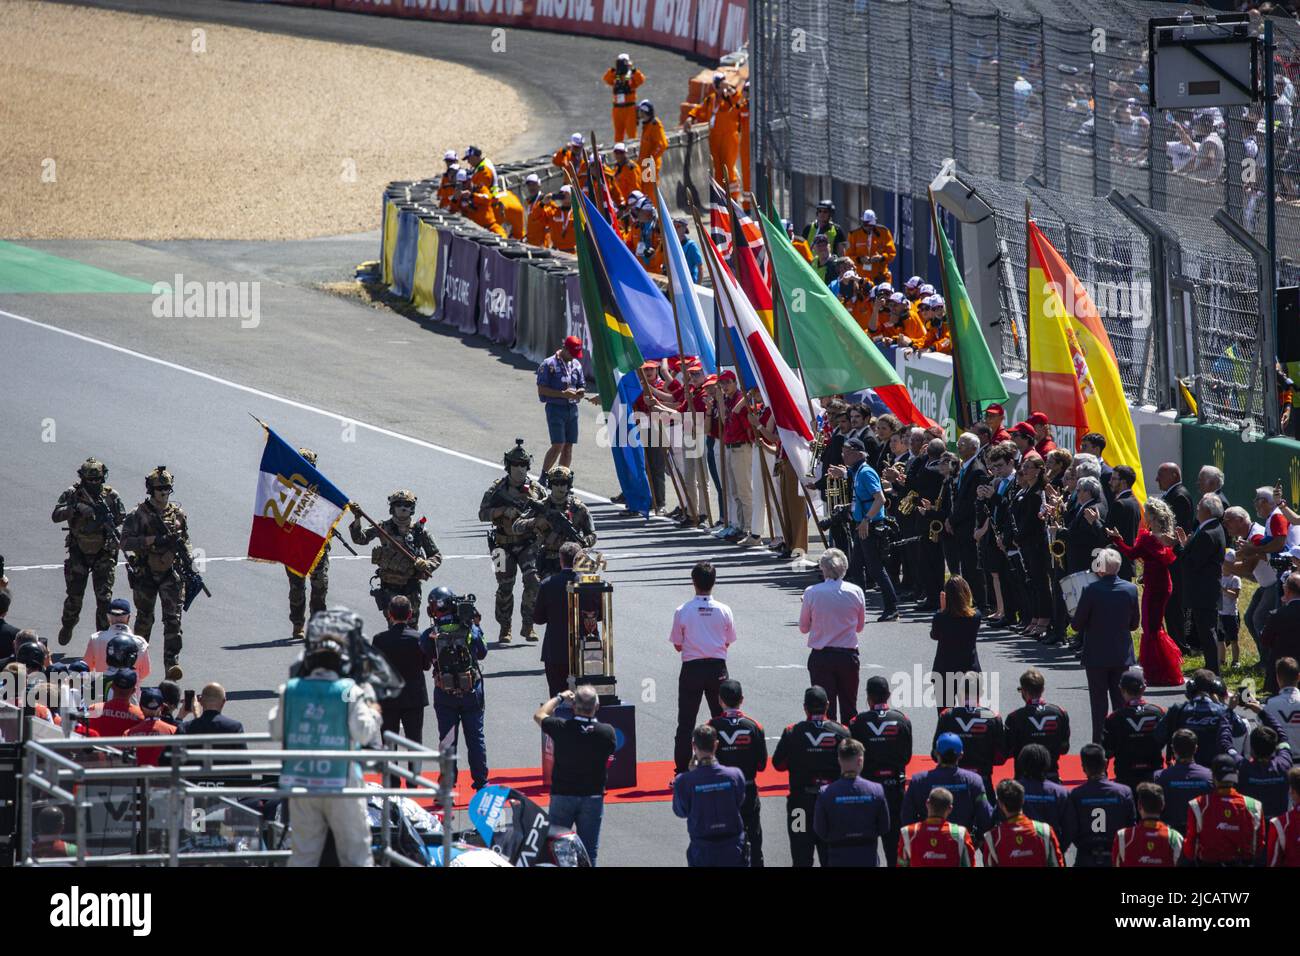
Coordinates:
(1073, 375)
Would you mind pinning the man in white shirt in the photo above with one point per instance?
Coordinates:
(833, 615)
(1285, 704)
(702, 631)
(119, 624)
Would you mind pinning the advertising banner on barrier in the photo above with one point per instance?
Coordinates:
(576, 320)
(460, 285)
(707, 28)
(498, 295)
(408, 235)
(424, 290)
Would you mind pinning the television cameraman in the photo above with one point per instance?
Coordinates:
(453, 645)
(321, 709)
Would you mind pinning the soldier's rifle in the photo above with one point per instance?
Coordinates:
(383, 533)
(190, 577)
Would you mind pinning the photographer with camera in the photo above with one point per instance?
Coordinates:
(321, 709)
(453, 645)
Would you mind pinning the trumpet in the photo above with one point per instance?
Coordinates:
(936, 529)
(908, 504)
(837, 492)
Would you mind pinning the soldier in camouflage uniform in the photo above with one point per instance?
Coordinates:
(320, 580)
(155, 534)
(510, 497)
(547, 521)
(398, 573)
(94, 512)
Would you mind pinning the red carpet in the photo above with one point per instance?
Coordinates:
(653, 778)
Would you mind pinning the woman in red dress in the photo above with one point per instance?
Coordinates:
(1161, 660)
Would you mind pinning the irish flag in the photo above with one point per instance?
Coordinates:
(778, 384)
(1073, 375)
(295, 509)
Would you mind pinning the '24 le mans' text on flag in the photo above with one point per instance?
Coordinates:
(1076, 368)
(295, 510)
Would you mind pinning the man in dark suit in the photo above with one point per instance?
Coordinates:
(212, 721)
(1281, 635)
(1209, 481)
(1094, 443)
(1107, 615)
(1200, 559)
(1126, 512)
(552, 609)
(400, 645)
(971, 474)
(1170, 479)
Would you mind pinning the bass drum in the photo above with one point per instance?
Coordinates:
(1072, 586)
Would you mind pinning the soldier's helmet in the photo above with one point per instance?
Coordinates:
(560, 475)
(308, 454)
(402, 496)
(160, 477)
(329, 632)
(121, 651)
(517, 455)
(92, 469)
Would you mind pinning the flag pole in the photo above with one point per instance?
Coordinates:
(964, 416)
(595, 248)
(681, 354)
(720, 402)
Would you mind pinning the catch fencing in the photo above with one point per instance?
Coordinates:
(862, 101)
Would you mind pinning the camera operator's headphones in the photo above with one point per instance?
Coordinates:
(440, 599)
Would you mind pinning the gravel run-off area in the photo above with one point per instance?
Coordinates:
(117, 126)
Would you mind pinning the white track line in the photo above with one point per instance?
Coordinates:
(301, 406)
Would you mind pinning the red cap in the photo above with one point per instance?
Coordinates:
(574, 345)
(727, 376)
(710, 380)
(1023, 428)
(995, 409)
(1037, 418)
(648, 365)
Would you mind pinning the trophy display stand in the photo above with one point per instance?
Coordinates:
(590, 612)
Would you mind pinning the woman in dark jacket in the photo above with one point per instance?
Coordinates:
(1031, 536)
(955, 627)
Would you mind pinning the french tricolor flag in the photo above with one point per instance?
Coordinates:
(295, 510)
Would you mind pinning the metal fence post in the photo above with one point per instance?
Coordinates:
(1266, 368)
(1161, 297)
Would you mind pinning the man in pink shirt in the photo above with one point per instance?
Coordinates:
(833, 615)
(702, 631)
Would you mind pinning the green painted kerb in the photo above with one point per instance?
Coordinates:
(27, 270)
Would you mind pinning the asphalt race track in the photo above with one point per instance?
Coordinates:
(431, 411)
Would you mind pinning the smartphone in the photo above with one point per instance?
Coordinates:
(189, 702)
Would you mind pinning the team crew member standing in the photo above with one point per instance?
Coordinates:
(970, 804)
(1130, 733)
(1284, 831)
(1224, 827)
(886, 738)
(561, 385)
(1184, 780)
(934, 842)
(1019, 841)
(1151, 843)
(851, 814)
(1038, 722)
(1098, 810)
(807, 750)
(833, 615)
(583, 748)
(979, 728)
(709, 797)
(741, 744)
(625, 80)
(702, 631)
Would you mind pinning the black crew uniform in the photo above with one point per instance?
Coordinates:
(741, 744)
(808, 751)
(1131, 737)
(983, 737)
(886, 738)
(1039, 722)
